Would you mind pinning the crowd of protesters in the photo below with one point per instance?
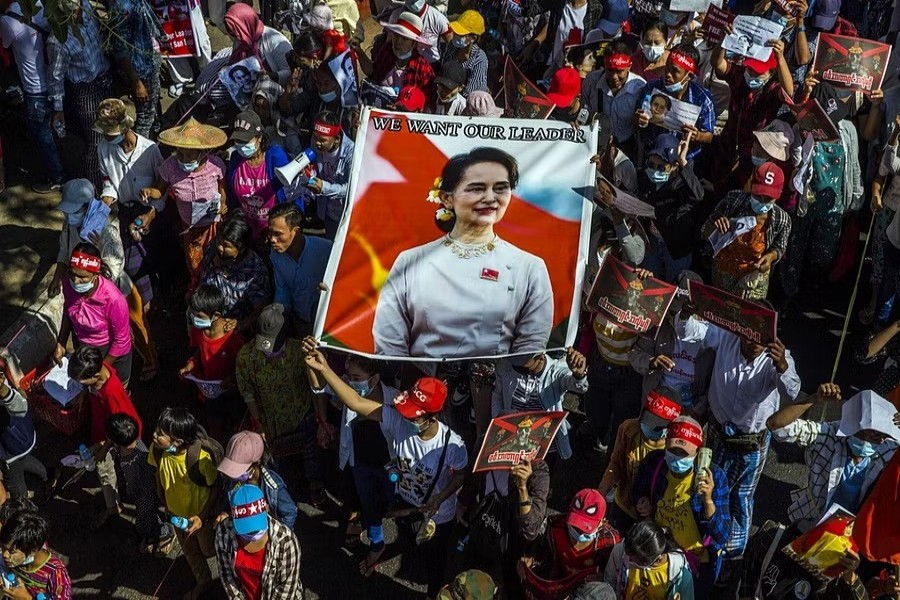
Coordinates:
(199, 221)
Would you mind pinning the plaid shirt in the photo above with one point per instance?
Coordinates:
(281, 570)
(736, 203)
(76, 60)
(418, 73)
(826, 457)
(716, 530)
(245, 284)
(696, 95)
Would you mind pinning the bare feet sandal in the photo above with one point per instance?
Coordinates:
(368, 565)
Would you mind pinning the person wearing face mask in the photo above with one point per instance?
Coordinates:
(128, 163)
(678, 82)
(648, 564)
(231, 265)
(745, 265)
(463, 48)
(397, 62)
(756, 98)
(635, 439)
(251, 183)
(669, 184)
(364, 449)
(772, 143)
(37, 569)
(94, 312)
(674, 357)
(188, 485)
(613, 91)
(649, 60)
(246, 462)
(844, 457)
(577, 542)
(538, 382)
(215, 342)
(692, 504)
(107, 396)
(450, 84)
(435, 27)
(565, 93)
(334, 153)
(258, 556)
(195, 180)
(429, 460)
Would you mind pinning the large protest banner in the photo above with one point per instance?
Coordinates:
(503, 280)
(524, 100)
(635, 304)
(745, 318)
(851, 63)
(175, 21)
(510, 439)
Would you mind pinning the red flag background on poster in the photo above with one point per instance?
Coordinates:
(751, 321)
(524, 100)
(851, 63)
(520, 436)
(635, 304)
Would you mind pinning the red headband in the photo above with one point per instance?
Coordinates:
(325, 129)
(685, 431)
(617, 61)
(662, 407)
(683, 60)
(89, 263)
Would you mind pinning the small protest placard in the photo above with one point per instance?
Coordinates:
(715, 24)
(751, 321)
(850, 62)
(520, 436)
(750, 36)
(634, 304)
(665, 111)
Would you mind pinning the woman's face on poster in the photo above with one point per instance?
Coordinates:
(482, 195)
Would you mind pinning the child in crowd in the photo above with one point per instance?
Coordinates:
(130, 456)
(23, 540)
(187, 485)
(216, 343)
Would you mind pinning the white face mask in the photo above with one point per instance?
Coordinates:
(690, 329)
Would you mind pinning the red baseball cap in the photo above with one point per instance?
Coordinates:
(410, 99)
(761, 66)
(425, 397)
(768, 181)
(587, 510)
(565, 85)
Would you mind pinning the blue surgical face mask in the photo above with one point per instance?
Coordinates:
(581, 537)
(757, 160)
(669, 18)
(404, 56)
(255, 537)
(415, 6)
(360, 387)
(423, 426)
(243, 477)
(760, 208)
(754, 83)
(675, 87)
(861, 448)
(82, 288)
(652, 434)
(75, 218)
(28, 560)
(117, 140)
(777, 17)
(679, 464)
(328, 96)
(459, 42)
(200, 322)
(189, 167)
(652, 53)
(172, 449)
(656, 176)
(247, 150)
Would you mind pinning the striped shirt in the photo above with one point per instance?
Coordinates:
(50, 578)
(613, 342)
(78, 61)
(476, 68)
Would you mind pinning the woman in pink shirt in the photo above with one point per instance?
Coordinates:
(94, 311)
(195, 180)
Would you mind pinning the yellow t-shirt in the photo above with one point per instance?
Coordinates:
(638, 449)
(184, 498)
(674, 511)
(648, 584)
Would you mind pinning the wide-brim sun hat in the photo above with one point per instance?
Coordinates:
(194, 135)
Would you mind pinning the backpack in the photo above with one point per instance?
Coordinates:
(203, 442)
(489, 525)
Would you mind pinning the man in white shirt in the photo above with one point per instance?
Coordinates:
(435, 27)
(748, 383)
(26, 37)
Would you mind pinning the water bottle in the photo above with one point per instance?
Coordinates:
(60, 128)
(181, 523)
(10, 581)
(393, 472)
(87, 458)
(136, 232)
(40, 596)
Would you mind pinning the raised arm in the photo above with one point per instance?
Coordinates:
(790, 413)
(315, 361)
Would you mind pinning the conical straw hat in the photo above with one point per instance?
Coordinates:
(193, 135)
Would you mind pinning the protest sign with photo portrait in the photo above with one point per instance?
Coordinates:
(850, 62)
(510, 439)
(634, 304)
(750, 35)
(240, 80)
(175, 21)
(745, 318)
(670, 113)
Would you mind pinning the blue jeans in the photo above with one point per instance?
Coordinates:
(375, 492)
(37, 118)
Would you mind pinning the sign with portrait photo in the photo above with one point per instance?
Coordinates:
(524, 100)
(745, 318)
(851, 63)
(510, 439)
(750, 35)
(464, 238)
(715, 23)
(634, 304)
(820, 550)
(665, 111)
(240, 80)
(175, 21)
